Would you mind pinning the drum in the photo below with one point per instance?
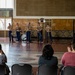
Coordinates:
(23, 37)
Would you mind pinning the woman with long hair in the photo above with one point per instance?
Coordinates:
(47, 57)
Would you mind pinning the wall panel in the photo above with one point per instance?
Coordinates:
(45, 7)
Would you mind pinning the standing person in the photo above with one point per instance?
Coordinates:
(68, 58)
(3, 60)
(48, 30)
(28, 33)
(47, 57)
(10, 33)
(39, 33)
(18, 31)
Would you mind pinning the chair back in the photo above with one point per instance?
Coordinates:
(2, 70)
(68, 70)
(46, 70)
(21, 69)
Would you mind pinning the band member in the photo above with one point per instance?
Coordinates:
(39, 33)
(18, 31)
(48, 33)
(28, 33)
(10, 33)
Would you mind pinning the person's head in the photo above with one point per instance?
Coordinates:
(38, 22)
(0, 47)
(9, 24)
(48, 24)
(47, 52)
(17, 24)
(29, 22)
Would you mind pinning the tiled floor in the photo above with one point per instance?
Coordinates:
(22, 52)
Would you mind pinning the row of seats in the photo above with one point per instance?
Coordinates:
(26, 69)
(46, 70)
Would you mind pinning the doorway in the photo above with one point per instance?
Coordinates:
(6, 16)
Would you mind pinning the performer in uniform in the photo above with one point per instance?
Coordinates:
(18, 31)
(10, 33)
(48, 33)
(28, 33)
(39, 33)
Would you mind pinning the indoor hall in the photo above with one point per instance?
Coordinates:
(59, 15)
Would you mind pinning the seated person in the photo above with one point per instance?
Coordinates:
(68, 58)
(3, 60)
(48, 58)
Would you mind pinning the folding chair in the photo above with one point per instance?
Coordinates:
(21, 69)
(2, 70)
(68, 70)
(46, 70)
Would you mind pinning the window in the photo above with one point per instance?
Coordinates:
(6, 13)
(7, 4)
(4, 23)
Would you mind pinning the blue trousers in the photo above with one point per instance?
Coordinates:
(10, 36)
(18, 35)
(28, 36)
(40, 36)
(48, 36)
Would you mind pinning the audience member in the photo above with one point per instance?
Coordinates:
(3, 60)
(68, 58)
(47, 57)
